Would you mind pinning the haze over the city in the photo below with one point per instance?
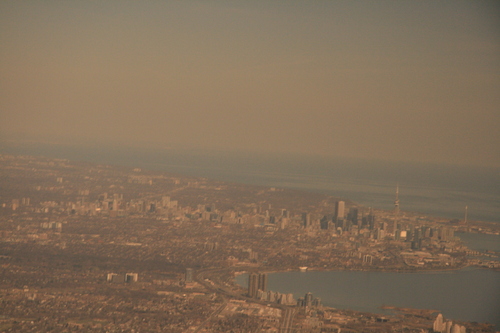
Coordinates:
(395, 80)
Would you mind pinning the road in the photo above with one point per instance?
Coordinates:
(213, 315)
(203, 275)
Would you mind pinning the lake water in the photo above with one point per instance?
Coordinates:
(438, 190)
(480, 242)
(467, 294)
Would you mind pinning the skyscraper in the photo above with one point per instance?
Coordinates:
(324, 222)
(339, 210)
(396, 202)
(256, 282)
(308, 299)
(438, 325)
(253, 283)
(262, 282)
(353, 215)
(371, 219)
(306, 220)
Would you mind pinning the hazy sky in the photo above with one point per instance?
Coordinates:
(401, 80)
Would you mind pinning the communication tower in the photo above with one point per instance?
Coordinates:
(396, 210)
(396, 202)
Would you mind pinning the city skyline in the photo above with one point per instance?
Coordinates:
(97, 246)
(411, 81)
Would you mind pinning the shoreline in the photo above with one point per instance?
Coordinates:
(385, 307)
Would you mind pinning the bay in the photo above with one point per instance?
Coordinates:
(480, 242)
(468, 294)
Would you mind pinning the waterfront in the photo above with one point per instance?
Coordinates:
(369, 187)
(437, 190)
(468, 294)
(480, 242)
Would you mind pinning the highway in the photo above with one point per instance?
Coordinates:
(203, 278)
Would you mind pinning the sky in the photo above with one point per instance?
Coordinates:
(390, 80)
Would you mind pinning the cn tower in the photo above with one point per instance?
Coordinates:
(396, 202)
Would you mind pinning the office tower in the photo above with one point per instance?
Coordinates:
(189, 275)
(370, 220)
(379, 234)
(324, 222)
(353, 215)
(339, 210)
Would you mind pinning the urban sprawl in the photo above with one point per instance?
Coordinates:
(99, 248)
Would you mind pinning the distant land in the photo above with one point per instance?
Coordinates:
(438, 190)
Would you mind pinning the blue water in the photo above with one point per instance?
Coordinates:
(438, 190)
(467, 294)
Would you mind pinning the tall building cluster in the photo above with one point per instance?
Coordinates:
(309, 301)
(257, 288)
(256, 282)
(275, 297)
(446, 326)
(343, 220)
